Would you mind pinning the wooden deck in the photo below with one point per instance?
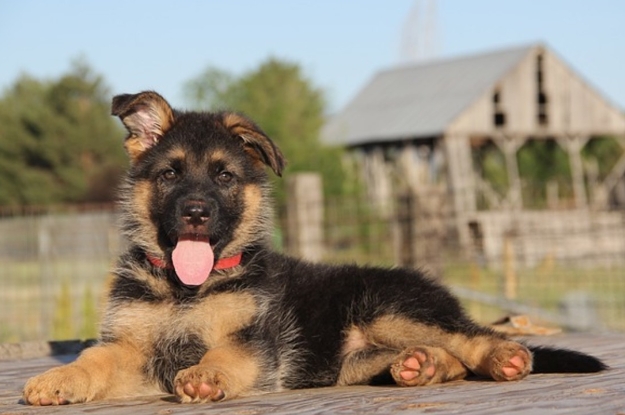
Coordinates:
(602, 393)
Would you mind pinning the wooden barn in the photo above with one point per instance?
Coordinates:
(420, 126)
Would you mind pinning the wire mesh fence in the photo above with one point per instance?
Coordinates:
(54, 271)
(560, 267)
(565, 268)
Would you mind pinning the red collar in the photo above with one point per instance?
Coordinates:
(222, 263)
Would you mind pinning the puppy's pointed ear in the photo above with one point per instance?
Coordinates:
(256, 142)
(146, 116)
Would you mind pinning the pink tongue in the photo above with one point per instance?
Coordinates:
(193, 261)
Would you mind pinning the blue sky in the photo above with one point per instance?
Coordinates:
(341, 44)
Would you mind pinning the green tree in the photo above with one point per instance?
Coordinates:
(605, 151)
(58, 142)
(490, 163)
(285, 105)
(541, 162)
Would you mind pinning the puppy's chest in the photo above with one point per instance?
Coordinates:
(210, 321)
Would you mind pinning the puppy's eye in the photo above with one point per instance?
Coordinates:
(225, 177)
(170, 174)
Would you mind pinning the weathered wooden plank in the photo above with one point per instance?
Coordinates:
(602, 393)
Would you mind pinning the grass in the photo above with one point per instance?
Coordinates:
(52, 300)
(545, 287)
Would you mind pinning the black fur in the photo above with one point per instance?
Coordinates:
(550, 360)
(171, 355)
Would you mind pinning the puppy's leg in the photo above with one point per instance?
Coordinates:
(481, 350)
(494, 357)
(224, 372)
(103, 371)
(422, 365)
(415, 366)
(361, 366)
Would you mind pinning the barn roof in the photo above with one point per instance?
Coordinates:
(418, 100)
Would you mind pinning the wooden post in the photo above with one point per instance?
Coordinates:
(573, 146)
(421, 224)
(377, 180)
(509, 268)
(305, 216)
(460, 173)
(461, 182)
(509, 146)
(404, 219)
(577, 171)
(430, 230)
(613, 179)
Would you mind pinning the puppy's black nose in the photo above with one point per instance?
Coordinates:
(195, 212)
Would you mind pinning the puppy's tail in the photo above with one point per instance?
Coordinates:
(550, 360)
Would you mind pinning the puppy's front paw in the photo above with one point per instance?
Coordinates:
(58, 386)
(200, 383)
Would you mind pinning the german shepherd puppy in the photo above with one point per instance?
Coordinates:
(201, 307)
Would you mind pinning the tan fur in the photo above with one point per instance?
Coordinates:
(224, 315)
(373, 349)
(118, 366)
(230, 370)
(138, 323)
(399, 332)
(255, 219)
(499, 357)
(436, 365)
(111, 371)
(254, 139)
(176, 153)
(141, 323)
(236, 123)
(134, 147)
(355, 340)
(484, 355)
(359, 367)
(142, 193)
(147, 116)
(216, 156)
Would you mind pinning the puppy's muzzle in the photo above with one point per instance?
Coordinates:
(195, 213)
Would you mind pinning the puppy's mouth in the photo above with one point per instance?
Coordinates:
(193, 259)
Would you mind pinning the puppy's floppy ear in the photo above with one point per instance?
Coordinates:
(146, 116)
(255, 140)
